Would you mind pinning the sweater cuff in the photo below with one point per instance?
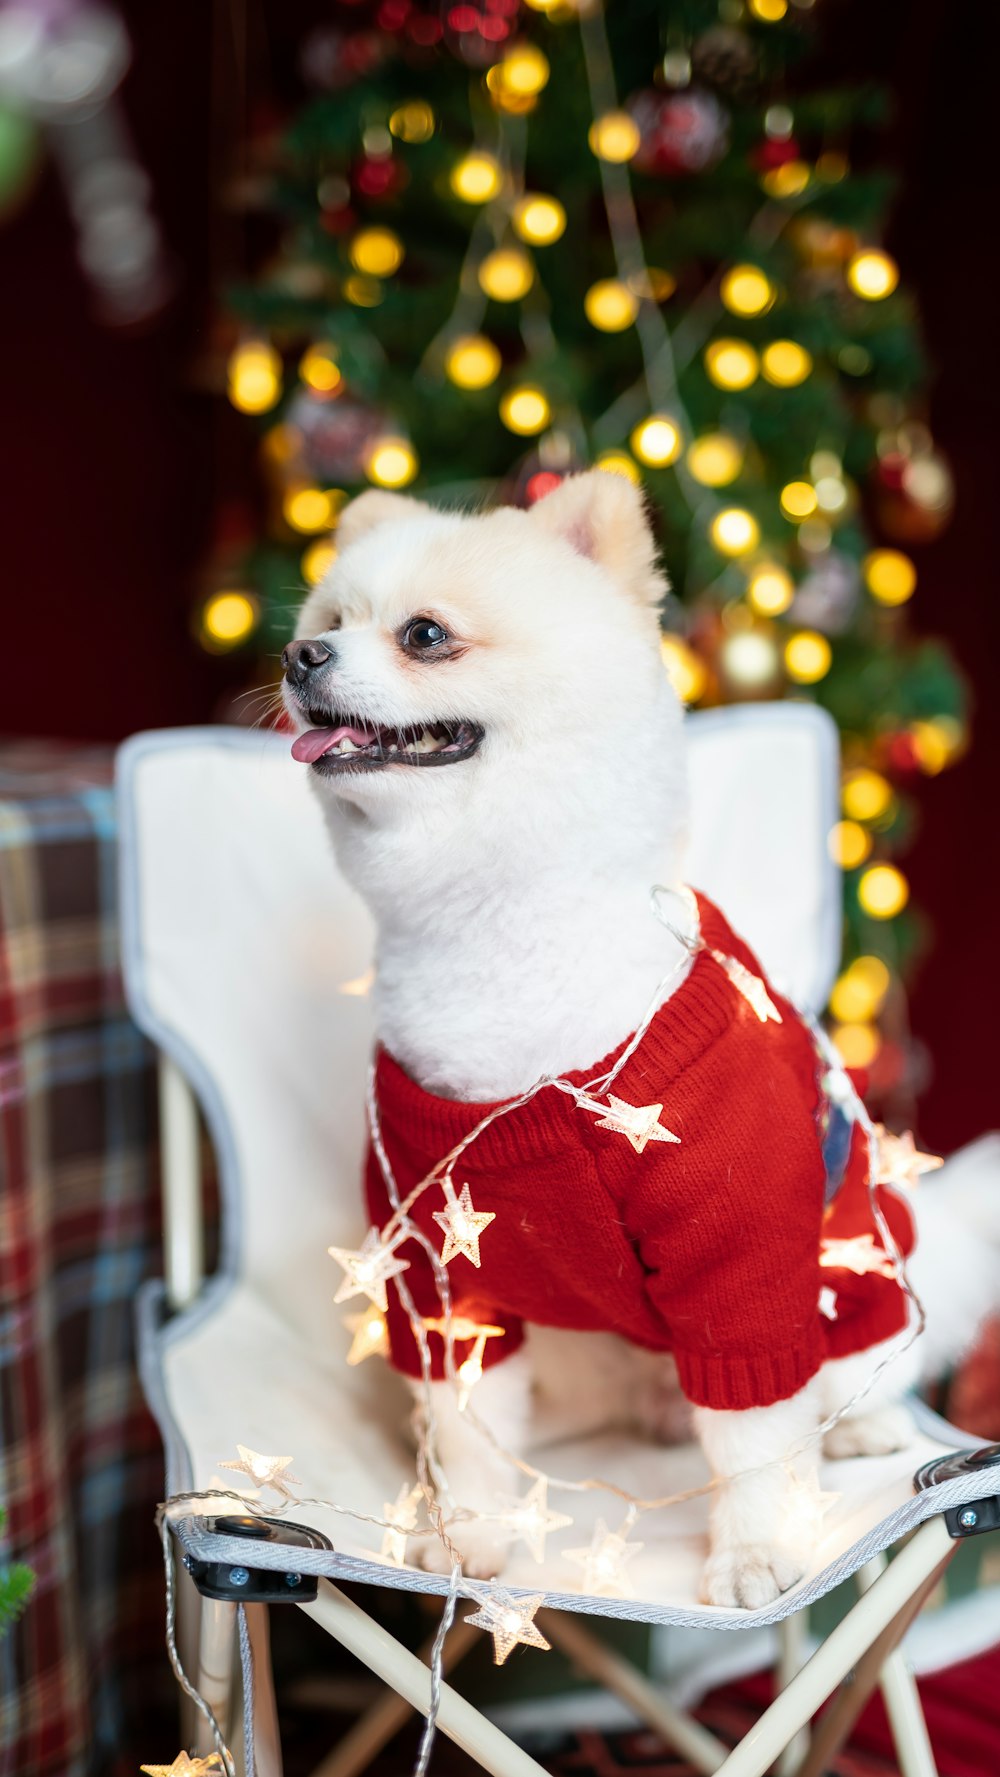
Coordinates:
(736, 1381)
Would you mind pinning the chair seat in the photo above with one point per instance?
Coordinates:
(233, 1370)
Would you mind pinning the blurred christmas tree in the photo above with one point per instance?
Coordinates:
(520, 239)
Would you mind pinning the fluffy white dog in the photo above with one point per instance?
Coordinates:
(517, 653)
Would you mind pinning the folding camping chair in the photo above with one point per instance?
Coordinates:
(245, 959)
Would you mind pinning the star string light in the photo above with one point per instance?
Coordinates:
(369, 1269)
(640, 1124)
(265, 1471)
(605, 1559)
(530, 1517)
(859, 1255)
(186, 1766)
(463, 1225)
(899, 1160)
(510, 1621)
(805, 1507)
(371, 1335)
(402, 1516)
(749, 985)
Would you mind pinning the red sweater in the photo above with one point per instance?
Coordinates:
(708, 1248)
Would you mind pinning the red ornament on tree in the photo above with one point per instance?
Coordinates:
(682, 132)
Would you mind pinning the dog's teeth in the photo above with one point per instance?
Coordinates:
(347, 745)
(424, 743)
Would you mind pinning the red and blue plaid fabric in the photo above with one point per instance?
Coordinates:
(80, 1459)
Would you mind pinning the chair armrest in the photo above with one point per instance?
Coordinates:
(180, 1171)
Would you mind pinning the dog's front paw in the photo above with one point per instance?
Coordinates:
(482, 1552)
(878, 1433)
(746, 1576)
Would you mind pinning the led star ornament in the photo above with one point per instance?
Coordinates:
(369, 1269)
(530, 1517)
(463, 1226)
(186, 1766)
(639, 1124)
(859, 1255)
(510, 1621)
(900, 1162)
(265, 1471)
(402, 1516)
(750, 986)
(604, 1561)
(371, 1335)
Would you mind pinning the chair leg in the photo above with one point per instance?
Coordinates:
(377, 1726)
(216, 1669)
(687, 1736)
(267, 1733)
(792, 1638)
(188, 1631)
(377, 1649)
(901, 1698)
(867, 1634)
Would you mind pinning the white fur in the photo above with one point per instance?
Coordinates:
(511, 894)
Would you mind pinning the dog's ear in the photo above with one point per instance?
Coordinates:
(375, 507)
(603, 517)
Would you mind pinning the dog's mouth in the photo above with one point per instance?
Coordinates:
(337, 743)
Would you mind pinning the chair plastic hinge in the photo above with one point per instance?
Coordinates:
(975, 1518)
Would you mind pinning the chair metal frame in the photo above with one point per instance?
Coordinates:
(862, 1652)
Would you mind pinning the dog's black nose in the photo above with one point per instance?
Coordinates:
(299, 659)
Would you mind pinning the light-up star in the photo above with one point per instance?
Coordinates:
(463, 1328)
(371, 1335)
(510, 1621)
(749, 985)
(463, 1226)
(530, 1518)
(639, 1123)
(402, 1515)
(368, 1270)
(265, 1471)
(859, 1255)
(899, 1161)
(186, 1766)
(605, 1560)
(804, 1507)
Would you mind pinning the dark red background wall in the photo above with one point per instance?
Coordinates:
(115, 461)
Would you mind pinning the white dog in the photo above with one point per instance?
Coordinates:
(518, 654)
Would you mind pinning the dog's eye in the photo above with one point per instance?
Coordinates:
(423, 635)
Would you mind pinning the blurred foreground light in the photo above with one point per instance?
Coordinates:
(771, 590)
(253, 376)
(883, 891)
(378, 252)
(227, 618)
(746, 290)
(309, 509)
(614, 137)
(872, 274)
(731, 363)
(734, 531)
(685, 669)
(656, 441)
(524, 70)
(890, 576)
(476, 179)
(866, 794)
(506, 274)
(391, 462)
(849, 844)
(525, 410)
(472, 361)
(807, 657)
(538, 219)
(798, 500)
(610, 305)
(785, 363)
(715, 459)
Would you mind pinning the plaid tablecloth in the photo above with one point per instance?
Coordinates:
(80, 1459)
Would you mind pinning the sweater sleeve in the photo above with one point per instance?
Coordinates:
(728, 1227)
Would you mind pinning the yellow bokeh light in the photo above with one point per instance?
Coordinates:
(227, 619)
(308, 509)
(849, 844)
(807, 657)
(890, 576)
(614, 137)
(715, 459)
(472, 361)
(656, 441)
(319, 369)
(524, 69)
(618, 462)
(872, 274)
(734, 531)
(610, 305)
(937, 742)
(539, 219)
(525, 410)
(413, 121)
(653, 282)
(506, 274)
(253, 376)
(856, 1044)
(391, 462)
(378, 252)
(731, 363)
(787, 180)
(883, 891)
(316, 561)
(798, 500)
(768, 10)
(749, 660)
(746, 290)
(785, 363)
(364, 292)
(865, 794)
(476, 178)
(859, 993)
(771, 590)
(685, 669)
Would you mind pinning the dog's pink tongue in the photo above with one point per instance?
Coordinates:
(317, 741)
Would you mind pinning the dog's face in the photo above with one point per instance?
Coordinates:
(441, 647)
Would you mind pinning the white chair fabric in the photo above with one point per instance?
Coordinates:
(243, 950)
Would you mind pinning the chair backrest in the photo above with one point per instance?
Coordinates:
(245, 952)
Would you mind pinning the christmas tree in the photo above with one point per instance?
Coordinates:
(17, 1582)
(517, 240)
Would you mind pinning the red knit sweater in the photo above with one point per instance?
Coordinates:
(708, 1248)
